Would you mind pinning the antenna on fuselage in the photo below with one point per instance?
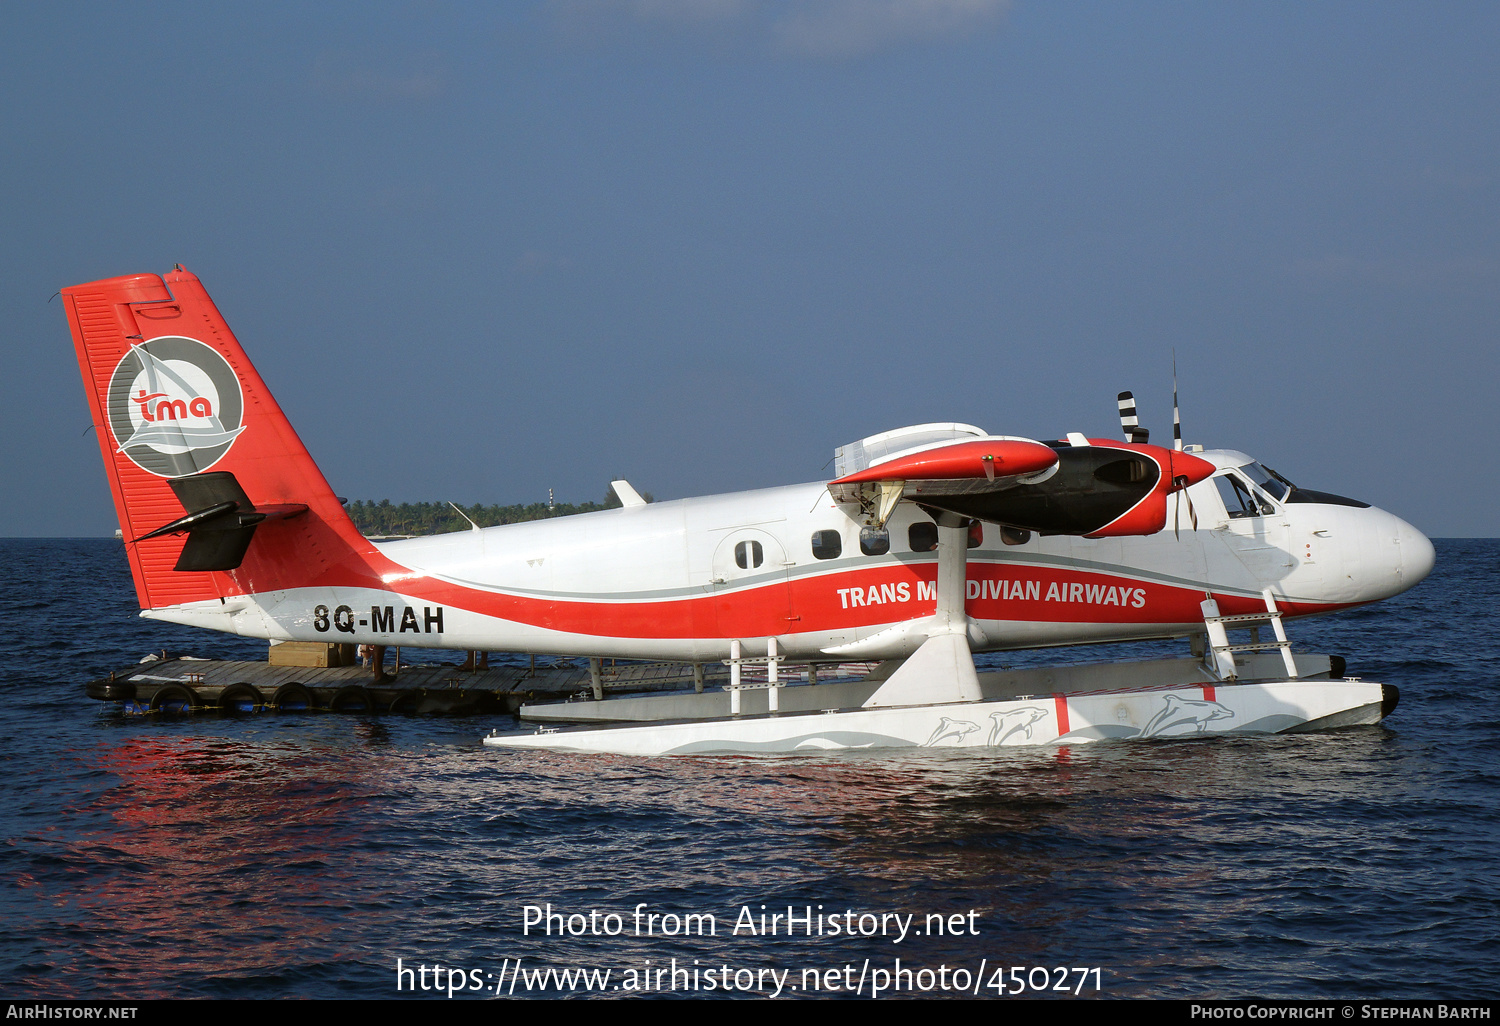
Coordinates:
(464, 515)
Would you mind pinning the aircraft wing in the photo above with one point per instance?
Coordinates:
(1097, 488)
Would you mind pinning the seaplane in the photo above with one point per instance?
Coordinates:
(932, 543)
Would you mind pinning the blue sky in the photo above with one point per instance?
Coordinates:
(480, 251)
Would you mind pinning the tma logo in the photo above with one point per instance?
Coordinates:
(175, 406)
(168, 408)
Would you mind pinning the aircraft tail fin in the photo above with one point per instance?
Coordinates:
(216, 494)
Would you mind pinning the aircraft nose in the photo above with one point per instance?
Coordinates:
(1417, 553)
(1391, 555)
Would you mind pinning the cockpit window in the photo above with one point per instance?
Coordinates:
(1271, 482)
(1240, 499)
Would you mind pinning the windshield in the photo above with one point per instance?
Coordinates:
(1271, 482)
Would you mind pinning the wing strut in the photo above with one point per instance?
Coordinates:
(942, 668)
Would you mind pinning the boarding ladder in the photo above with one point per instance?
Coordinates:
(772, 662)
(1219, 657)
(775, 666)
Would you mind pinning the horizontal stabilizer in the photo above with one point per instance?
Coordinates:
(627, 495)
(220, 521)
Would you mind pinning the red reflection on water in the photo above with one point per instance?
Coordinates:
(202, 858)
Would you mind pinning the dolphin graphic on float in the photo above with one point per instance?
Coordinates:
(1178, 711)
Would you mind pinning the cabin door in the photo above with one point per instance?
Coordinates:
(751, 580)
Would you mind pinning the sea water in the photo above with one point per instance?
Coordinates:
(321, 855)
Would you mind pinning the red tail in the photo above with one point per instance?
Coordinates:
(215, 492)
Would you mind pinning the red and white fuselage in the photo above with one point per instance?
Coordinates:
(661, 580)
(196, 447)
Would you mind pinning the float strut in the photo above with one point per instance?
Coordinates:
(734, 677)
(773, 695)
(941, 670)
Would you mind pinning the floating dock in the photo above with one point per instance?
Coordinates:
(175, 686)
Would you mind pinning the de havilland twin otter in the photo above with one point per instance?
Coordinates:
(932, 543)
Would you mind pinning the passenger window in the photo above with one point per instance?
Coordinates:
(874, 541)
(748, 555)
(827, 545)
(976, 534)
(922, 536)
(1014, 536)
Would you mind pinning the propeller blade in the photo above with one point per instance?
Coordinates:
(1180, 485)
(1176, 415)
(1130, 423)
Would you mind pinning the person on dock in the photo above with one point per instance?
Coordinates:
(377, 663)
